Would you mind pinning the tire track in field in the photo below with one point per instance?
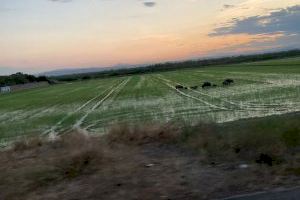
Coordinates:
(53, 130)
(151, 113)
(272, 105)
(37, 112)
(210, 96)
(117, 89)
(106, 122)
(195, 91)
(273, 81)
(239, 106)
(167, 83)
(114, 95)
(141, 114)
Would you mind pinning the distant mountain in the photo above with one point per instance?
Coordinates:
(62, 72)
(221, 58)
(71, 71)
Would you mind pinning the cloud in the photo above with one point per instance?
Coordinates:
(149, 3)
(283, 20)
(227, 6)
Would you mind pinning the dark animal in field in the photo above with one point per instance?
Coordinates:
(185, 88)
(214, 85)
(179, 87)
(194, 87)
(228, 82)
(265, 159)
(206, 84)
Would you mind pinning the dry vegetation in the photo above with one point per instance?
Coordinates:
(143, 134)
(155, 162)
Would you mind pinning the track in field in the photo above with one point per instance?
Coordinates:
(238, 106)
(54, 130)
(38, 112)
(133, 117)
(116, 93)
(150, 113)
(169, 116)
(167, 83)
(114, 90)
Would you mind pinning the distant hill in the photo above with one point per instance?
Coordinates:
(123, 69)
(63, 72)
(73, 71)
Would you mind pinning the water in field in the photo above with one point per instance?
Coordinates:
(260, 89)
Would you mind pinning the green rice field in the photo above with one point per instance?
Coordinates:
(260, 89)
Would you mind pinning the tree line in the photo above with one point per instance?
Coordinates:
(160, 67)
(20, 78)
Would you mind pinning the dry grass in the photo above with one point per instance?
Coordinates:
(217, 146)
(28, 143)
(251, 143)
(36, 163)
(155, 159)
(79, 152)
(143, 134)
(204, 138)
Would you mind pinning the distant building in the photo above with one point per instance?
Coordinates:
(5, 89)
(20, 87)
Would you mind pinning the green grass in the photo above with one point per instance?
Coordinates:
(260, 89)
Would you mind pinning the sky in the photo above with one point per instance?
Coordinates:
(43, 35)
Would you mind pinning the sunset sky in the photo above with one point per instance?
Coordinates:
(42, 35)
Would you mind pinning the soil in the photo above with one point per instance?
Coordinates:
(147, 171)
